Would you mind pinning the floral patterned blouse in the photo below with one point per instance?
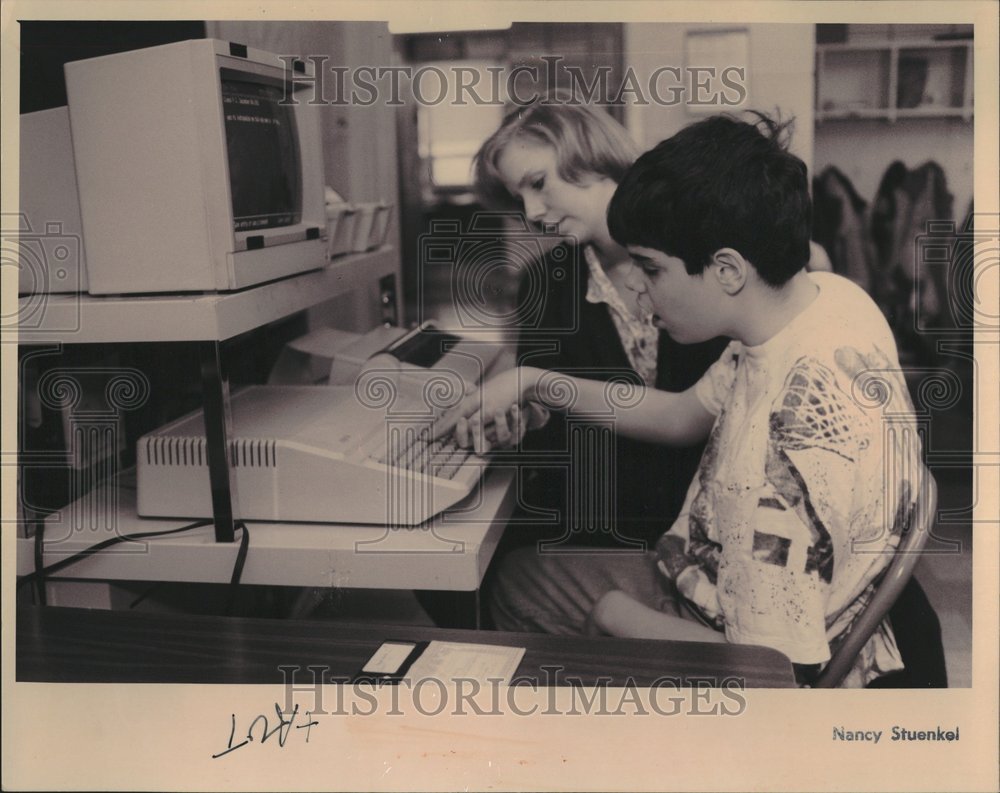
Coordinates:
(639, 336)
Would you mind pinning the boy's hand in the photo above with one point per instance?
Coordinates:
(505, 431)
(481, 419)
(501, 432)
(523, 418)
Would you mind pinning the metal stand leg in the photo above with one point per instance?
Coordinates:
(215, 395)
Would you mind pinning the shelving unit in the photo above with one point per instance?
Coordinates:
(217, 316)
(894, 80)
(208, 319)
(452, 551)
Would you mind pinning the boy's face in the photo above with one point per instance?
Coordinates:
(686, 306)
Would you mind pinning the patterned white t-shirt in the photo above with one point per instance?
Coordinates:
(806, 483)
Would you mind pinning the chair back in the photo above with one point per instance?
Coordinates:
(888, 589)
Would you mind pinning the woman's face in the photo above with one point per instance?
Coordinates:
(529, 172)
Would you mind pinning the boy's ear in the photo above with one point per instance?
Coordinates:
(730, 269)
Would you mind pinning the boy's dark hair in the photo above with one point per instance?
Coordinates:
(719, 183)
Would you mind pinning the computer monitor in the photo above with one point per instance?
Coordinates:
(199, 168)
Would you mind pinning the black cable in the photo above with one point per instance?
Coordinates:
(241, 558)
(40, 593)
(40, 573)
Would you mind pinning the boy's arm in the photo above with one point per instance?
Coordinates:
(645, 414)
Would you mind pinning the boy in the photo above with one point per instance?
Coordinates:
(812, 464)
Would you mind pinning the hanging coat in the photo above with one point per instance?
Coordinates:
(920, 199)
(839, 226)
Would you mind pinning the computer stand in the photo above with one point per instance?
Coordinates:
(215, 396)
(208, 319)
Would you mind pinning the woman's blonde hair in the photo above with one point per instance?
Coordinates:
(585, 140)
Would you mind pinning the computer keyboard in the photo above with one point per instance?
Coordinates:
(417, 452)
(312, 453)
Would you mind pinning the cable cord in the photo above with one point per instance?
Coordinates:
(41, 572)
(241, 558)
(39, 562)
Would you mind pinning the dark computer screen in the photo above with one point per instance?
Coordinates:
(263, 152)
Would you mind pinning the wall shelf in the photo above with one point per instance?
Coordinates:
(894, 80)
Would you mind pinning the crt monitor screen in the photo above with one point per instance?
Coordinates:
(263, 152)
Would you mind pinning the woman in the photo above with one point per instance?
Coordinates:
(560, 163)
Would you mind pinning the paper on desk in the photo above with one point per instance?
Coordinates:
(450, 661)
(324, 342)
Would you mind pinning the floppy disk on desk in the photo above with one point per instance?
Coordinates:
(447, 662)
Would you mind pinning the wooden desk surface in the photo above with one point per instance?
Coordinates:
(95, 646)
